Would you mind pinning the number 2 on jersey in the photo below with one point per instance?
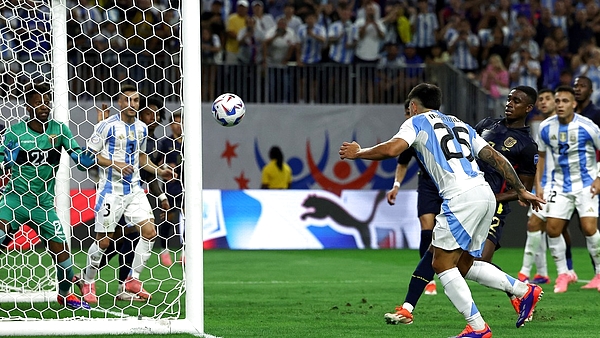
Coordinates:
(451, 134)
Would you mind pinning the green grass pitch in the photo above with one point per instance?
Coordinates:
(344, 293)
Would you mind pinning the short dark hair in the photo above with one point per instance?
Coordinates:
(586, 79)
(565, 89)
(406, 104)
(529, 91)
(545, 90)
(36, 88)
(128, 88)
(146, 102)
(429, 95)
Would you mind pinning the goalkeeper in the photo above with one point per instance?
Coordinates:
(32, 150)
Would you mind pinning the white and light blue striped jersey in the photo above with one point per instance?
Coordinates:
(447, 147)
(461, 56)
(310, 48)
(426, 25)
(573, 148)
(119, 142)
(338, 51)
(548, 173)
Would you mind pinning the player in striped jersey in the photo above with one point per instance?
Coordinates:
(120, 143)
(448, 147)
(536, 243)
(572, 141)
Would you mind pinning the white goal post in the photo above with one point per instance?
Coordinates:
(193, 319)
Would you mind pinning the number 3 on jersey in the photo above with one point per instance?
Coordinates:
(451, 134)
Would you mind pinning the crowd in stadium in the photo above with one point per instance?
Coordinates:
(502, 43)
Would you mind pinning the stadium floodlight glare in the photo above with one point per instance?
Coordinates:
(83, 76)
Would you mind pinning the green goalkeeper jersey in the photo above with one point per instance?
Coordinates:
(33, 175)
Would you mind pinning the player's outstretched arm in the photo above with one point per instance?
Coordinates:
(401, 170)
(388, 149)
(501, 164)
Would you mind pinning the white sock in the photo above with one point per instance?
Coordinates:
(558, 249)
(531, 247)
(593, 243)
(458, 292)
(142, 253)
(540, 257)
(489, 275)
(408, 307)
(94, 257)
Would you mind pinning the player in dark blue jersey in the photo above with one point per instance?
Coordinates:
(428, 206)
(510, 136)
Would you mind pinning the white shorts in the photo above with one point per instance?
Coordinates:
(541, 214)
(562, 205)
(464, 221)
(111, 207)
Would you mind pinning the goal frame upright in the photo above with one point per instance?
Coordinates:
(193, 271)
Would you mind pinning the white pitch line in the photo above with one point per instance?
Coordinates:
(110, 312)
(292, 282)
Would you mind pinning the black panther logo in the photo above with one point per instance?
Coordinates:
(323, 207)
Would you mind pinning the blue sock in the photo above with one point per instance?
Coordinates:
(569, 257)
(64, 275)
(425, 241)
(422, 275)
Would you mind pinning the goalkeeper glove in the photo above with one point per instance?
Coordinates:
(11, 151)
(84, 158)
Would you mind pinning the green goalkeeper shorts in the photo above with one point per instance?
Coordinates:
(19, 211)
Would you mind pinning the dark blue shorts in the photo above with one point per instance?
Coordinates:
(428, 199)
(497, 226)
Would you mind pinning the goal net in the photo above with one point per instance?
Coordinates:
(86, 51)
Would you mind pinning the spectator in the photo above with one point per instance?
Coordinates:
(425, 27)
(326, 17)
(291, 19)
(496, 46)
(210, 47)
(311, 39)
(279, 45)
(524, 71)
(235, 22)
(370, 35)
(552, 65)
(579, 31)
(264, 22)
(213, 19)
(453, 8)
(413, 74)
(276, 7)
(391, 23)
(403, 24)
(524, 39)
(463, 46)
(250, 40)
(362, 11)
(342, 37)
(561, 41)
(495, 78)
(544, 26)
(591, 71)
(559, 16)
(390, 80)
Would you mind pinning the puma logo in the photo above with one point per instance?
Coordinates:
(324, 207)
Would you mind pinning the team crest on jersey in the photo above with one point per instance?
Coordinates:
(131, 136)
(510, 142)
(562, 137)
(52, 139)
(572, 138)
(95, 139)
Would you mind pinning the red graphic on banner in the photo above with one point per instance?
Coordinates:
(242, 181)
(229, 152)
(342, 170)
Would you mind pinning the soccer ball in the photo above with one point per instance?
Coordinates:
(228, 109)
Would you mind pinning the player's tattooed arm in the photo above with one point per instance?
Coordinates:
(501, 164)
